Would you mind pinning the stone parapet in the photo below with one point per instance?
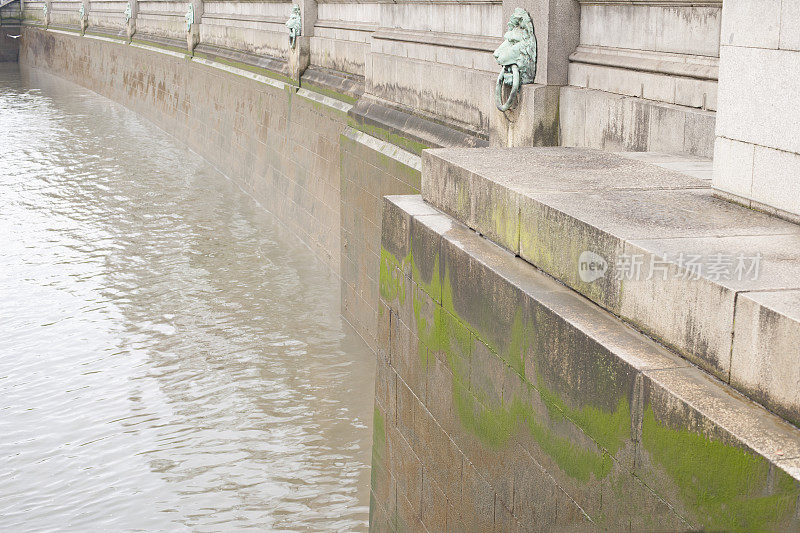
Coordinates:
(674, 261)
(506, 401)
(612, 122)
(644, 77)
(107, 17)
(626, 89)
(251, 27)
(162, 19)
(65, 14)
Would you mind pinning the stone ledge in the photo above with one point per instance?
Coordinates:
(437, 38)
(339, 85)
(399, 124)
(270, 66)
(159, 41)
(687, 451)
(559, 207)
(107, 32)
(672, 64)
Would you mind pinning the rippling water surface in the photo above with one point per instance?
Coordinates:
(170, 359)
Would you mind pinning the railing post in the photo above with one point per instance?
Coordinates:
(194, 17)
(299, 53)
(83, 23)
(48, 5)
(131, 14)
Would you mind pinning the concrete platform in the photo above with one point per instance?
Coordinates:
(514, 403)
(668, 256)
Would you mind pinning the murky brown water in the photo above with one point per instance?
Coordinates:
(170, 359)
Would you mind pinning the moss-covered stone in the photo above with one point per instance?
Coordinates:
(535, 378)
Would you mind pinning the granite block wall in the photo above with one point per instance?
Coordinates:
(505, 402)
(644, 77)
(370, 169)
(279, 146)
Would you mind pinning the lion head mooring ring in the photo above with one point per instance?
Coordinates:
(189, 17)
(294, 25)
(517, 56)
(498, 90)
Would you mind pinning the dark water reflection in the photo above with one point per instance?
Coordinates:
(170, 359)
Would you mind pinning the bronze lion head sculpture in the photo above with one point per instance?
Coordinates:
(517, 55)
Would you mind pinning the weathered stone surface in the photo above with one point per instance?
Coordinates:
(558, 415)
(408, 131)
(774, 173)
(758, 65)
(682, 28)
(552, 169)
(705, 338)
(716, 457)
(733, 167)
(598, 119)
(641, 223)
(347, 87)
(533, 121)
(369, 169)
(763, 21)
(697, 167)
(766, 346)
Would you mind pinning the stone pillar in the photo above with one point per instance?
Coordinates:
(757, 149)
(193, 29)
(534, 119)
(83, 23)
(299, 57)
(47, 10)
(130, 27)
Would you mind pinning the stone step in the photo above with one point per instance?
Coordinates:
(648, 242)
(499, 384)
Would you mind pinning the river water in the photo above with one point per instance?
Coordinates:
(170, 358)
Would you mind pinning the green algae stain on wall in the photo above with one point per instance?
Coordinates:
(725, 487)
(390, 281)
(378, 433)
(447, 333)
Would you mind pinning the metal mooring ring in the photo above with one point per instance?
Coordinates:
(498, 91)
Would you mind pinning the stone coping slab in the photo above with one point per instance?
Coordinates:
(642, 236)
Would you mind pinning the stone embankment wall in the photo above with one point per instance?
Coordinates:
(10, 17)
(507, 402)
(298, 152)
(504, 400)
